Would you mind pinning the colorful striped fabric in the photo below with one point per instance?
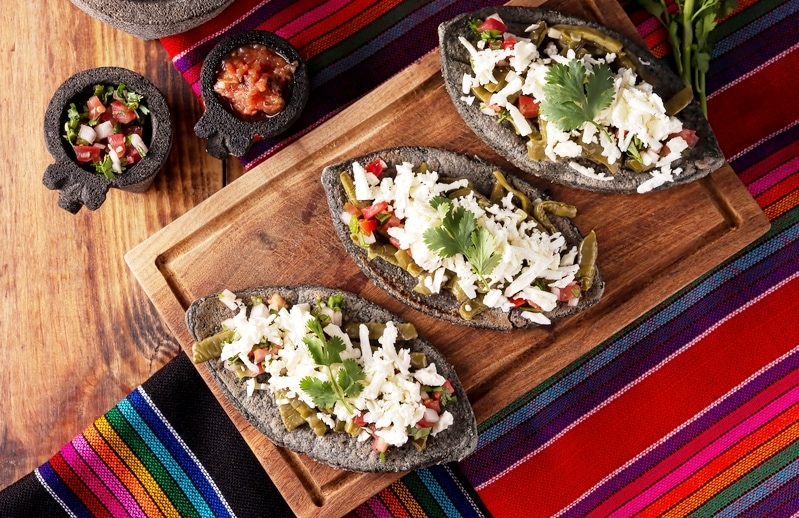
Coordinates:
(694, 409)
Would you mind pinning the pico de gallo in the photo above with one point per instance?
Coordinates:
(106, 130)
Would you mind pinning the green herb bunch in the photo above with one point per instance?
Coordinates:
(689, 34)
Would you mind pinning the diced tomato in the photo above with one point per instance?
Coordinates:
(379, 444)
(570, 291)
(492, 23)
(96, 107)
(352, 209)
(376, 166)
(517, 302)
(391, 222)
(372, 210)
(85, 154)
(528, 106)
(394, 241)
(368, 225)
(134, 129)
(689, 136)
(132, 155)
(358, 420)
(116, 142)
(423, 423)
(448, 386)
(435, 404)
(509, 43)
(122, 113)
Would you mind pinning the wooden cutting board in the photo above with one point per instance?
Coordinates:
(272, 227)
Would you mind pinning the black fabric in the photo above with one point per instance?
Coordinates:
(27, 498)
(188, 404)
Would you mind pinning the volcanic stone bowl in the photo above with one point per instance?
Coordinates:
(80, 187)
(152, 19)
(229, 134)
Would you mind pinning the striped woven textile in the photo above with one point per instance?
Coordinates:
(694, 409)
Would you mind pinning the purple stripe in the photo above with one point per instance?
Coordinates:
(92, 481)
(116, 486)
(774, 177)
(752, 53)
(377, 507)
(709, 453)
(784, 498)
(764, 150)
(65, 497)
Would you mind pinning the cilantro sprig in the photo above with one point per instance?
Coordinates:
(460, 234)
(326, 352)
(574, 97)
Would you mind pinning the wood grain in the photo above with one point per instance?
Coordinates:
(80, 333)
(272, 227)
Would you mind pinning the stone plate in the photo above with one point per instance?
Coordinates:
(399, 283)
(152, 19)
(204, 318)
(703, 159)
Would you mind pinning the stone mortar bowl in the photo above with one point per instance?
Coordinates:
(228, 134)
(152, 19)
(79, 187)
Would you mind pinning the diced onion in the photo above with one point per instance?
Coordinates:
(104, 129)
(137, 142)
(430, 415)
(116, 164)
(87, 133)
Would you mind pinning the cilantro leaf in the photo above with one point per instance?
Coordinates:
(326, 352)
(459, 234)
(349, 377)
(573, 96)
(321, 392)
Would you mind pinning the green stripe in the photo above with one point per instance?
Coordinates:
(347, 46)
(745, 17)
(422, 495)
(151, 462)
(748, 481)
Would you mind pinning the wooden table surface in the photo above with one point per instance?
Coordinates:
(80, 331)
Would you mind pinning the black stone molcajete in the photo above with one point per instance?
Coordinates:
(80, 187)
(227, 134)
(152, 19)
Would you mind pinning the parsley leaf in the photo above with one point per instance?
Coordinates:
(326, 352)
(574, 97)
(459, 234)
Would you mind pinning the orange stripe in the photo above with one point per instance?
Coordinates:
(77, 486)
(121, 471)
(723, 461)
(134, 464)
(408, 501)
(313, 44)
(782, 206)
(393, 504)
(735, 471)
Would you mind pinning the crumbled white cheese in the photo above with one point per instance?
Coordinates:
(636, 112)
(589, 172)
(391, 399)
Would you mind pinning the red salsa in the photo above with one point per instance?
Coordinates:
(254, 81)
